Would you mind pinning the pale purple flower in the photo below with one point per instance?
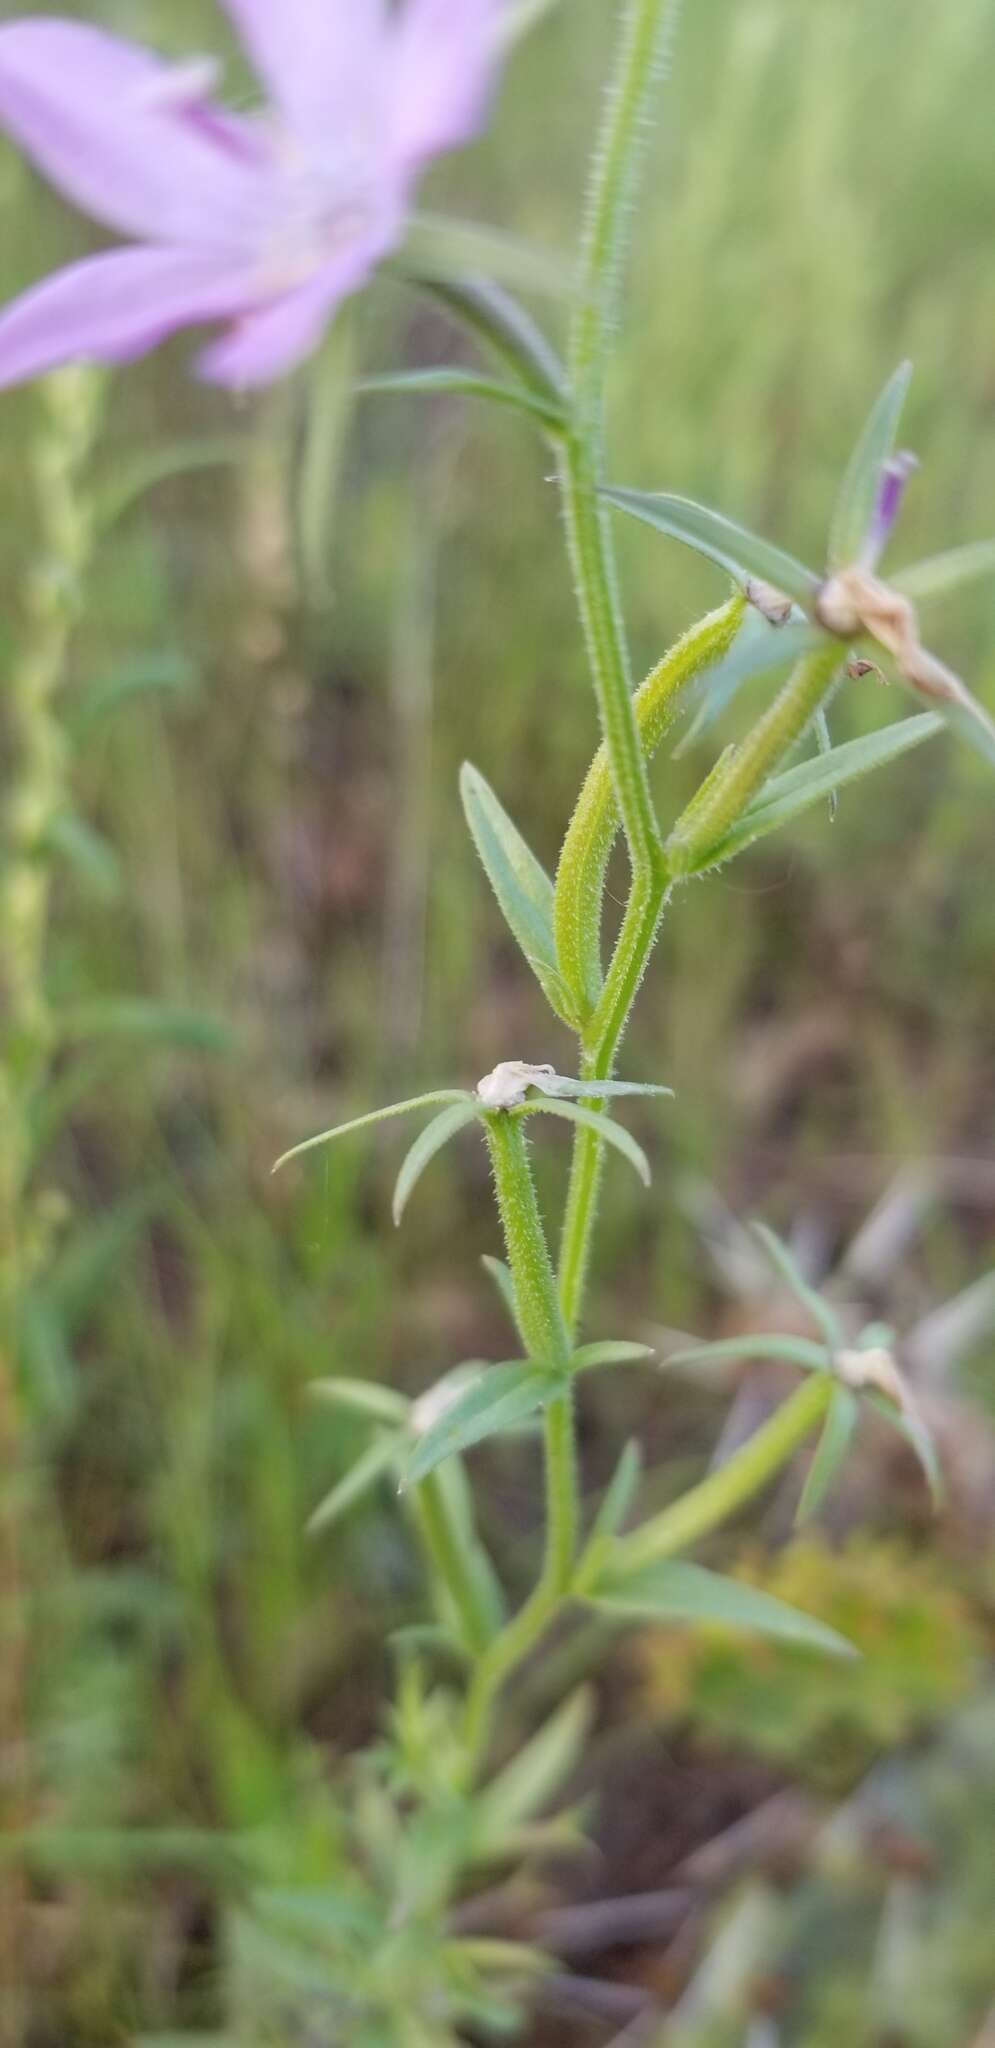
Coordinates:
(265, 222)
(894, 478)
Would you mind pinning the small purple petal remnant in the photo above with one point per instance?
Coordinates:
(891, 490)
(266, 222)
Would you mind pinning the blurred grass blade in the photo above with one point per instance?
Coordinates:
(788, 796)
(93, 859)
(590, 1356)
(502, 1396)
(149, 1022)
(455, 383)
(363, 1397)
(430, 1141)
(789, 1271)
(824, 746)
(522, 887)
(940, 574)
(612, 1133)
(140, 473)
(678, 1592)
(972, 723)
(317, 486)
(858, 493)
(830, 1455)
(439, 246)
(374, 1116)
(170, 672)
(359, 1480)
(732, 547)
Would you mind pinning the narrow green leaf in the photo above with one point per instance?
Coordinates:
(834, 1443)
(786, 1266)
(455, 383)
(521, 885)
(596, 1091)
(687, 1592)
(503, 1395)
(140, 473)
(592, 1355)
(525, 1787)
(759, 649)
(787, 796)
(430, 1141)
(506, 330)
(616, 1504)
(501, 1276)
(612, 1133)
(732, 547)
(359, 1480)
(824, 746)
(792, 1350)
(858, 492)
(971, 722)
(940, 574)
(374, 1116)
(364, 1397)
(912, 1427)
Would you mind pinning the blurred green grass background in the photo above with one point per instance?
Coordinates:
(300, 635)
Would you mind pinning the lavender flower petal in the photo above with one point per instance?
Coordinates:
(322, 60)
(114, 307)
(272, 340)
(445, 55)
(114, 130)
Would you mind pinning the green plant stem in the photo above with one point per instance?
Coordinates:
(539, 1318)
(592, 556)
(446, 1546)
(736, 1482)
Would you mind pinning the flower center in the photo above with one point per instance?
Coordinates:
(322, 202)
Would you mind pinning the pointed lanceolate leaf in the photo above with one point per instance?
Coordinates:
(687, 1592)
(524, 1788)
(971, 722)
(912, 1427)
(858, 494)
(612, 1133)
(374, 1116)
(359, 1480)
(617, 1501)
(363, 1397)
(799, 1351)
(502, 1396)
(429, 1141)
(520, 883)
(743, 554)
(507, 330)
(837, 1435)
(440, 383)
(940, 574)
(787, 1267)
(788, 796)
(589, 1356)
(561, 1085)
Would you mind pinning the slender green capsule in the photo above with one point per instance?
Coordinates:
(743, 769)
(580, 879)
